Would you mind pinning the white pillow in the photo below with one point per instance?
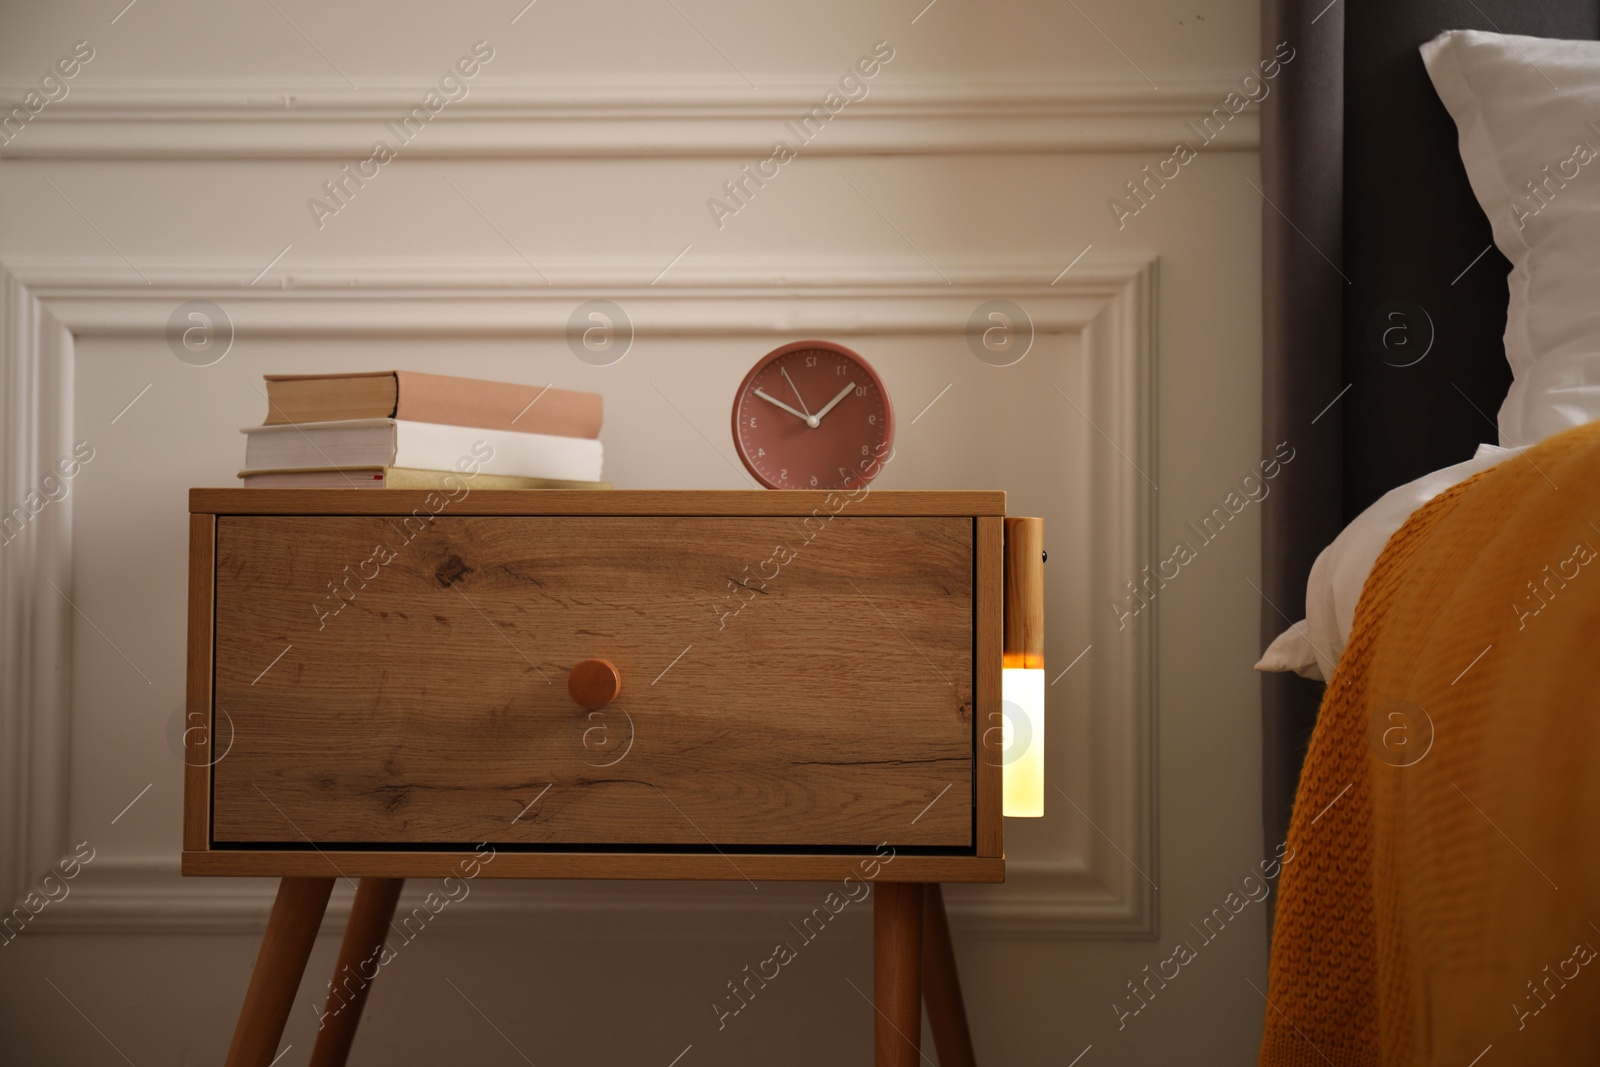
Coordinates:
(1526, 109)
(1292, 651)
(1312, 647)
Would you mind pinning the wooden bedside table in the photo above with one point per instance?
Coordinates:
(805, 681)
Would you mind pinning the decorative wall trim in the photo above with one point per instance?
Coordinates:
(35, 620)
(1110, 303)
(218, 120)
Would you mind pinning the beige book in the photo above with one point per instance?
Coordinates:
(398, 478)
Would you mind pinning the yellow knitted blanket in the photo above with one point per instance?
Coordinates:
(1443, 902)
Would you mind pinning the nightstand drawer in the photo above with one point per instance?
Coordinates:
(387, 680)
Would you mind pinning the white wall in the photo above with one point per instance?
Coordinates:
(579, 166)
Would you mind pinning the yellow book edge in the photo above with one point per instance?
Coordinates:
(413, 478)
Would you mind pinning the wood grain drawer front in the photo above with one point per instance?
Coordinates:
(390, 681)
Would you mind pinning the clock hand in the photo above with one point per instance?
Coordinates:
(830, 405)
(809, 420)
(785, 372)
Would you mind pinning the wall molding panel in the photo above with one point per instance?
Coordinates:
(223, 121)
(1109, 303)
(35, 582)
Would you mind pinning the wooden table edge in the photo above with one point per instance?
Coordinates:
(592, 865)
(629, 502)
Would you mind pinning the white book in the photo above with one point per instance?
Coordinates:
(422, 445)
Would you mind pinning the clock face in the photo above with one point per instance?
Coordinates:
(813, 415)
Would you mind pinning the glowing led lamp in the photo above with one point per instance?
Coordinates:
(1022, 671)
(1022, 692)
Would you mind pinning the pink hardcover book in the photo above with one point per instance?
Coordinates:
(437, 398)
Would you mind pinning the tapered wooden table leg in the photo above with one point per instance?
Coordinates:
(941, 984)
(285, 947)
(359, 958)
(897, 973)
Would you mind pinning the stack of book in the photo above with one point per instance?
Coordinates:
(405, 430)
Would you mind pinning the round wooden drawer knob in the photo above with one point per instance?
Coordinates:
(594, 683)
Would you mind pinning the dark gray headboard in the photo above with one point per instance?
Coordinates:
(1371, 242)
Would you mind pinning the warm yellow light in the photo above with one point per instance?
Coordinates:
(1022, 738)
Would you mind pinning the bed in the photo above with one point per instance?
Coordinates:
(1385, 308)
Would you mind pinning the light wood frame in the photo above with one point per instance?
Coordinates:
(985, 864)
